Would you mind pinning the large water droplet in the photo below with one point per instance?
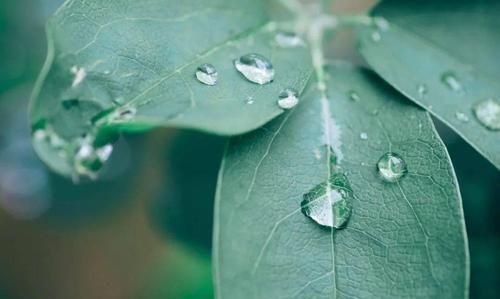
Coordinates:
(289, 40)
(461, 117)
(391, 167)
(451, 80)
(288, 98)
(329, 204)
(207, 74)
(256, 68)
(488, 114)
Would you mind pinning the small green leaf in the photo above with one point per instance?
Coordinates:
(131, 66)
(405, 238)
(444, 56)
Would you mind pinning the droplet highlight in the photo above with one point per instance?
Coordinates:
(487, 113)
(462, 117)
(363, 136)
(391, 167)
(256, 68)
(329, 204)
(207, 74)
(288, 98)
(289, 40)
(452, 82)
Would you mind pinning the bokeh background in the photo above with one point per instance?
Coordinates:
(144, 229)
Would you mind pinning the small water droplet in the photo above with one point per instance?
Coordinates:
(391, 167)
(422, 90)
(289, 40)
(288, 98)
(363, 136)
(451, 80)
(329, 204)
(354, 96)
(88, 159)
(123, 115)
(381, 23)
(462, 117)
(119, 101)
(207, 74)
(488, 114)
(79, 75)
(256, 68)
(249, 101)
(376, 37)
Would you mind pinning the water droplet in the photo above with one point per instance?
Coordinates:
(462, 117)
(89, 160)
(354, 96)
(488, 114)
(451, 80)
(119, 101)
(289, 40)
(207, 74)
(288, 98)
(80, 74)
(391, 167)
(363, 136)
(376, 37)
(249, 101)
(329, 204)
(256, 68)
(68, 104)
(422, 90)
(381, 23)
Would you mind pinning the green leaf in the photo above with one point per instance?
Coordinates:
(130, 66)
(427, 40)
(404, 240)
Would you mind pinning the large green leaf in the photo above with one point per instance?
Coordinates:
(131, 64)
(429, 40)
(404, 240)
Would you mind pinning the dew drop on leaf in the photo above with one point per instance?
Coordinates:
(422, 90)
(288, 98)
(88, 159)
(207, 74)
(363, 136)
(487, 113)
(256, 68)
(329, 204)
(288, 40)
(354, 96)
(391, 167)
(452, 82)
(462, 117)
(376, 37)
(249, 101)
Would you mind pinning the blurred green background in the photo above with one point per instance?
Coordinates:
(144, 229)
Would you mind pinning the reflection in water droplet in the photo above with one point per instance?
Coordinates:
(207, 74)
(329, 204)
(451, 80)
(89, 160)
(256, 68)
(376, 37)
(381, 23)
(488, 114)
(354, 96)
(79, 74)
(289, 40)
(422, 90)
(462, 117)
(391, 167)
(363, 136)
(288, 98)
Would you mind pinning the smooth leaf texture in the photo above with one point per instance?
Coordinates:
(428, 39)
(403, 240)
(121, 56)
